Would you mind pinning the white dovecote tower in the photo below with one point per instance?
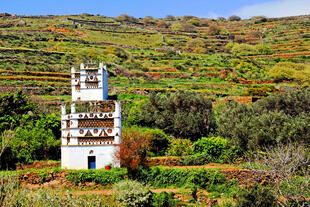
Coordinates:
(91, 132)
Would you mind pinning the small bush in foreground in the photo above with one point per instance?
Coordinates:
(163, 199)
(132, 193)
(102, 177)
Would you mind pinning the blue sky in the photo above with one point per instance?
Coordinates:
(159, 8)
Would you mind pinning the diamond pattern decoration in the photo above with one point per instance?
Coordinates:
(96, 123)
(96, 141)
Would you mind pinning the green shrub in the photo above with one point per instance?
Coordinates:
(216, 149)
(243, 50)
(163, 199)
(214, 146)
(253, 196)
(291, 71)
(132, 193)
(165, 177)
(102, 177)
(260, 91)
(180, 147)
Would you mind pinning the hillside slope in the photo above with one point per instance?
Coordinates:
(215, 57)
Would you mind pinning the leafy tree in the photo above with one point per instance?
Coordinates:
(37, 138)
(213, 30)
(234, 18)
(14, 104)
(159, 142)
(12, 107)
(126, 17)
(6, 138)
(180, 114)
(188, 17)
(170, 17)
(133, 150)
(303, 77)
(221, 18)
(248, 69)
(276, 119)
(293, 103)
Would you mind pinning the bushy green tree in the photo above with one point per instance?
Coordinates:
(293, 103)
(36, 139)
(159, 142)
(12, 108)
(234, 18)
(186, 115)
(276, 119)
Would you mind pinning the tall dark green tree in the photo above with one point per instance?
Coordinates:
(279, 118)
(12, 108)
(186, 115)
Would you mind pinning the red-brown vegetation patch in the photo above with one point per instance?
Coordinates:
(38, 165)
(51, 180)
(247, 177)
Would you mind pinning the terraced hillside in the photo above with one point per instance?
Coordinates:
(219, 58)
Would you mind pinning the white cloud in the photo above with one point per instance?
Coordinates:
(278, 8)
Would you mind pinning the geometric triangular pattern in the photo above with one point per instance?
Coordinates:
(103, 134)
(88, 134)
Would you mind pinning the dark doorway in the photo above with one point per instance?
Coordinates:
(91, 162)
